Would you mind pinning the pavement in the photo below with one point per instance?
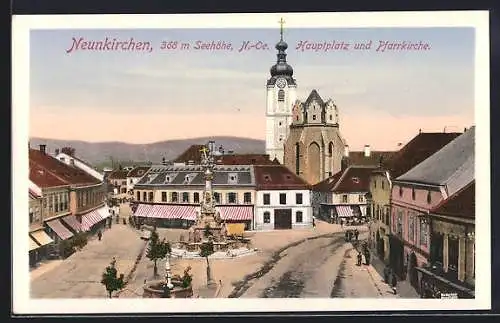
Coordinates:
(79, 275)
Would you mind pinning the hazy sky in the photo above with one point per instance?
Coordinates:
(140, 97)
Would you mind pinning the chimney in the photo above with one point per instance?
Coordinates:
(465, 129)
(346, 150)
(163, 161)
(57, 152)
(420, 130)
(42, 148)
(367, 150)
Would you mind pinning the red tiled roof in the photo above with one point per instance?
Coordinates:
(417, 150)
(273, 177)
(244, 159)
(138, 171)
(192, 153)
(43, 178)
(328, 184)
(66, 174)
(461, 204)
(118, 174)
(353, 179)
(357, 158)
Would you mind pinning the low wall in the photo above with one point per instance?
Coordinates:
(154, 289)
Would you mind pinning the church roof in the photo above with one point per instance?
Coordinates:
(314, 95)
(460, 204)
(328, 184)
(192, 153)
(243, 159)
(375, 158)
(452, 166)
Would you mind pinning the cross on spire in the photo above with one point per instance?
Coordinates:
(282, 22)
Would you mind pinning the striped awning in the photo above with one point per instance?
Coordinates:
(104, 212)
(344, 211)
(73, 222)
(33, 244)
(60, 229)
(41, 237)
(235, 213)
(90, 219)
(179, 212)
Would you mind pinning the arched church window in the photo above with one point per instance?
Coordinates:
(331, 117)
(297, 158)
(314, 117)
(281, 95)
(330, 149)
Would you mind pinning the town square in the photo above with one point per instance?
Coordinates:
(275, 171)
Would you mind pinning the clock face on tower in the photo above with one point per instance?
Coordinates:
(281, 82)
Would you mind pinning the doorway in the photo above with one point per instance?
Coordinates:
(283, 219)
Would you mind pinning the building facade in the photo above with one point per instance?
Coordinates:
(416, 193)
(118, 180)
(134, 176)
(451, 266)
(314, 148)
(283, 199)
(343, 196)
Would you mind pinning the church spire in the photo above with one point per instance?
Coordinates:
(281, 68)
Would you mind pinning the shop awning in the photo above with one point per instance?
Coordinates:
(33, 244)
(60, 229)
(344, 211)
(73, 222)
(90, 219)
(104, 212)
(41, 237)
(235, 213)
(179, 212)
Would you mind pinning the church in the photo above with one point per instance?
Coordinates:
(302, 135)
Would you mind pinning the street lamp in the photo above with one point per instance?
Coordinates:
(168, 273)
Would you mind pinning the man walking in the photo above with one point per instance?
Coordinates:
(356, 234)
(99, 235)
(359, 258)
(394, 282)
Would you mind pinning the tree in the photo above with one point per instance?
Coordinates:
(157, 250)
(111, 280)
(206, 249)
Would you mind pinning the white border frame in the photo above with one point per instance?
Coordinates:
(21, 26)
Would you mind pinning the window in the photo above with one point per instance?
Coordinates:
(185, 197)
(231, 197)
(361, 198)
(383, 184)
(375, 184)
(331, 117)
(31, 216)
(429, 198)
(247, 197)
(266, 199)
(330, 149)
(400, 191)
(298, 198)
(282, 198)
(174, 197)
(217, 197)
(344, 198)
(144, 196)
(423, 233)
(279, 123)
(314, 117)
(281, 95)
(437, 248)
(298, 217)
(453, 249)
(377, 212)
(196, 197)
(413, 194)
(329, 174)
(399, 224)
(163, 196)
(138, 196)
(57, 204)
(411, 228)
(267, 217)
(297, 159)
(150, 196)
(124, 182)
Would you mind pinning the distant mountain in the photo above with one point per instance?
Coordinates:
(102, 152)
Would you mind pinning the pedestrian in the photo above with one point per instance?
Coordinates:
(341, 223)
(367, 257)
(346, 236)
(314, 223)
(99, 235)
(394, 282)
(356, 234)
(359, 258)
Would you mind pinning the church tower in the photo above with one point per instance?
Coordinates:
(281, 95)
(314, 147)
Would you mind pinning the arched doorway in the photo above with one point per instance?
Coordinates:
(314, 163)
(412, 271)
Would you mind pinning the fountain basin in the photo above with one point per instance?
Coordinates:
(154, 289)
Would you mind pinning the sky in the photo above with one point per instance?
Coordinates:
(383, 98)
